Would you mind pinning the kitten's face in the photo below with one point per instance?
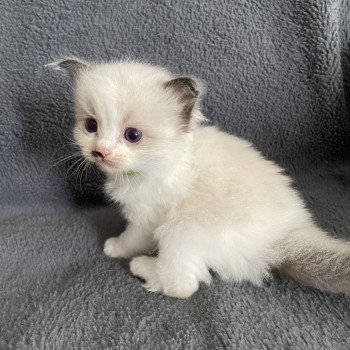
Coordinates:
(131, 117)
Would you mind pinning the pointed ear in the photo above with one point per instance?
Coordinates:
(72, 65)
(187, 90)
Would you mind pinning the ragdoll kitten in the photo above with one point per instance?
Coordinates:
(204, 199)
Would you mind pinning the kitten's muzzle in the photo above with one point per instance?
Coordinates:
(102, 156)
(101, 152)
(97, 154)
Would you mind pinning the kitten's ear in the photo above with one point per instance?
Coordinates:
(72, 65)
(187, 90)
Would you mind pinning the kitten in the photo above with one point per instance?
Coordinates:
(203, 198)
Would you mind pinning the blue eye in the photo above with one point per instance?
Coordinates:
(91, 125)
(132, 135)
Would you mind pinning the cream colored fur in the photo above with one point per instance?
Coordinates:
(201, 197)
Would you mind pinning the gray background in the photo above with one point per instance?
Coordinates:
(278, 74)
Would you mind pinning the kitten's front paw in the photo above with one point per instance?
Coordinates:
(145, 267)
(181, 287)
(114, 249)
(183, 290)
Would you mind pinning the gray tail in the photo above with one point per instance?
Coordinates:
(312, 257)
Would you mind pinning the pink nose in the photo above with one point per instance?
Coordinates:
(102, 152)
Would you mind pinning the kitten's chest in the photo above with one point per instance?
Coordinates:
(142, 201)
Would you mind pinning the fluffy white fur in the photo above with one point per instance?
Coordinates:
(204, 199)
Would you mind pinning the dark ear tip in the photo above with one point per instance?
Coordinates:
(72, 65)
(186, 82)
(201, 86)
(193, 86)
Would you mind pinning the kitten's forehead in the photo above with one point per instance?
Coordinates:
(119, 86)
(123, 75)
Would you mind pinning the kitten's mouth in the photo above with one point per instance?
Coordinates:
(106, 163)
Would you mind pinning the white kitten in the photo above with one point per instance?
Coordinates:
(203, 198)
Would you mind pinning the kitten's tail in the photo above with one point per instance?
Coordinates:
(312, 257)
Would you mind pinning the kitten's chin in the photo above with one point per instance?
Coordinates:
(107, 167)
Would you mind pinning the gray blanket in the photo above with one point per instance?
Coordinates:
(278, 74)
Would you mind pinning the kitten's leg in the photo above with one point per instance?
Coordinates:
(170, 278)
(179, 267)
(133, 241)
(146, 267)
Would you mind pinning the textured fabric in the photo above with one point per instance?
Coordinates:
(278, 74)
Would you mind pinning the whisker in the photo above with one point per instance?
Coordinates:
(65, 158)
(65, 144)
(69, 145)
(63, 120)
(76, 171)
(86, 169)
(82, 173)
(67, 137)
(79, 160)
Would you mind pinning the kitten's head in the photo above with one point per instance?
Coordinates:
(131, 116)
